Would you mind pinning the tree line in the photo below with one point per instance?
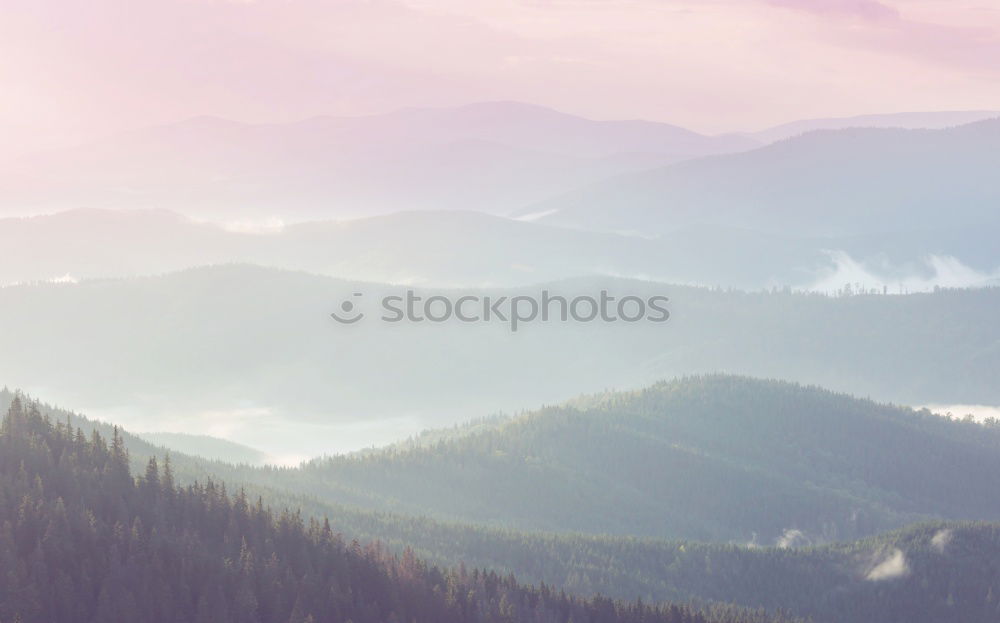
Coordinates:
(83, 540)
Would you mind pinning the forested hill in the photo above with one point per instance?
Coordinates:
(81, 540)
(919, 349)
(716, 458)
(923, 574)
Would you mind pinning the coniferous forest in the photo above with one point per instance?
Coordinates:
(500, 311)
(83, 540)
(57, 466)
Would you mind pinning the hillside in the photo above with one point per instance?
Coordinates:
(208, 447)
(712, 459)
(438, 248)
(87, 542)
(493, 157)
(471, 249)
(170, 348)
(934, 120)
(832, 182)
(922, 574)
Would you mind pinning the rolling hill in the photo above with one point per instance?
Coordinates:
(934, 120)
(493, 157)
(714, 458)
(208, 447)
(88, 542)
(923, 574)
(181, 347)
(469, 249)
(441, 248)
(837, 182)
(707, 459)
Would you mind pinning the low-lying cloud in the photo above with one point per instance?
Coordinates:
(979, 413)
(889, 567)
(932, 272)
(941, 540)
(793, 538)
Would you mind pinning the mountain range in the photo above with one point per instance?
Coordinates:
(700, 459)
(905, 120)
(106, 546)
(491, 157)
(473, 249)
(928, 572)
(498, 157)
(208, 447)
(858, 181)
(186, 348)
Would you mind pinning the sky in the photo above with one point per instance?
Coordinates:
(73, 71)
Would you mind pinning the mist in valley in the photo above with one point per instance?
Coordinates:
(442, 312)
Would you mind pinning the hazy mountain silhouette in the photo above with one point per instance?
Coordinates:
(197, 553)
(934, 120)
(831, 182)
(715, 458)
(192, 342)
(461, 248)
(488, 157)
(442, 248)
(208, 447)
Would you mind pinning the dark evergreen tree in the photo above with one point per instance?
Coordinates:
(81, 541)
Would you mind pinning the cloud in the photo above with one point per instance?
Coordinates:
(889, 567)
(943, 36)
(934, 271)
(272, 225)
(866, 9)
(86, 69)
(67, 278)
(966, 47)
(979, 413)
(941, 540)
(793, 538)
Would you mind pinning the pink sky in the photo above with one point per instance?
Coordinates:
(78, 69)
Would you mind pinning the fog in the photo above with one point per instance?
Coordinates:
(979, 413)
(932, 271)
(434, 302)
(890, 567)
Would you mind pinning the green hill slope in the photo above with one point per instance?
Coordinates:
(714, 458)
(942, 571)
(82, 541)
(179, 344)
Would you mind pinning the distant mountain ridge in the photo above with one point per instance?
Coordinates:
(714, 458)
(509, 157)
(208, 447)
(143, 549)
(858, 181)
(440, 248)
(472, 249)
(907, 120)
(928, 572)
(492, 157)
(127, 332)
